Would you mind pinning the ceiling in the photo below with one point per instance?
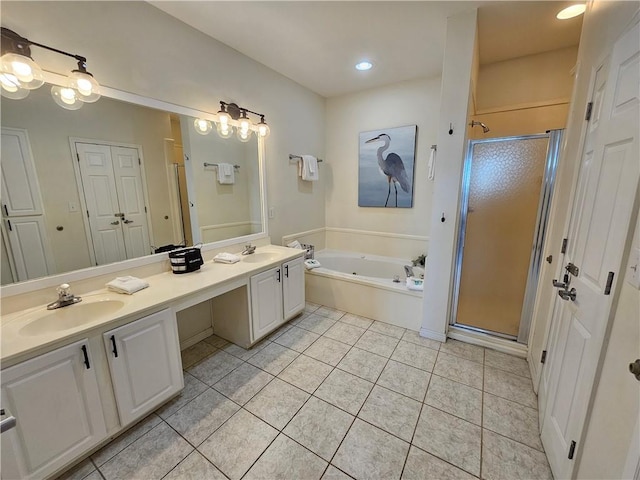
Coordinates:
(317, 43)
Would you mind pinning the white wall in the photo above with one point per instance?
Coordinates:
(415, 102)
(171, 61)
(456, 92)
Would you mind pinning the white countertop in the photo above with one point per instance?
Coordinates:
(166, 290)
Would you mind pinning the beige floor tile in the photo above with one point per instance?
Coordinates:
(449, 438)
(125, 439)
(415, 355)
(195, 467)
(508, 363)
(503, 458)
(512, 420)
(192, 388)
(512, 387)
(368, 452)
(214, 367)
(216, 341)
(243, 353)
(377, 343)
(306, 373)
(356, 320)
(344, 390)
(235, 446)
(243, 383)
(459, 369)
(285, 459)
(331, 313)
(414, 337)
(344, 333)
(464, 350)
(455, 398)
(391, 412)
(297, 339)
(273, 358)
(195, 353)
(316, 323)
(332, 473)
(277, 403)
(327, 350)
(424, 466)
(320, 427)
(404, 379)
(387, 329)
(364, 364)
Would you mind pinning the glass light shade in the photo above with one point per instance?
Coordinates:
(263, 130)
(66, 97)
(11, 87)
(244, 124)
(86, 86)
(571, 11)
(203, 127)
(224, 130)
(223, 118)
(243, 135)
(28, 73)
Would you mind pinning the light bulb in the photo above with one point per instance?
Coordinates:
(87, 87)
(11, 87)
(571, 11)
(244, 124)
(225, 130)
(223, 118)
(263, 129)
(203, 127)
(28, 73)
(243, 135)
(66, 97)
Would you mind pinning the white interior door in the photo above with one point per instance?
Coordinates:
(98, 182)
(30, 252)
(599, 228)
(128, 178)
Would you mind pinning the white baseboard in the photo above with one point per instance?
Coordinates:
(433, 335)
(189, 342)
(485, 340)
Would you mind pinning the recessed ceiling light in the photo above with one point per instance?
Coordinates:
(572, 11)
(364, 65)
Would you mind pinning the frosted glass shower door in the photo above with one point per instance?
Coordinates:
(502, 191)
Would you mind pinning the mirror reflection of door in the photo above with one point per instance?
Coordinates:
(504, 186)
(112, 185)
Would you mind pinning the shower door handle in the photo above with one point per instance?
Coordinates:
(568, 294)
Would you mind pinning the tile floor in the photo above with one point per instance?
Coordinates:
(335, 396)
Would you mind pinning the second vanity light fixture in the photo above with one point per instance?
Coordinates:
(19, 74)
(229, 116)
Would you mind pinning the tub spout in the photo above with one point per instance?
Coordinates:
(408, 271)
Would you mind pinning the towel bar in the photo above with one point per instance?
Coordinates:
(298, 157)
(215, 165)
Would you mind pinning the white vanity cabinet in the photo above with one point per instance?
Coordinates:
(277, 295)
(145, 364)
(56, 403)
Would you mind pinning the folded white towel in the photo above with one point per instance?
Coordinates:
(128, 285)
(416, 284)
(225, 257)
(226, 174)
(294, 244)
(309, 168)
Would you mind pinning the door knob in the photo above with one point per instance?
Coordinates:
(634, 368)
(127, 221)
(568, 294)
(121, 215)
(8, 421)
(117, 222)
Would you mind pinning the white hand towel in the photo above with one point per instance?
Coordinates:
(226, 257)
(432, 164)
(309, 168)
(294, 244)
(128, 285)
(226, 174)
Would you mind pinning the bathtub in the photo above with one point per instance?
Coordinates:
(364, 285)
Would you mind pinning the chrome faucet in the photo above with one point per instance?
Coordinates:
(248, 249)
(408, 271)
(65, 297)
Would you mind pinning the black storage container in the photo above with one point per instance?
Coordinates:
(185, 260)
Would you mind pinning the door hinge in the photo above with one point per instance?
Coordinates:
(145, 209)
(9, 223)
(572, 449)
(564, 245)
(78, 157)
(87, 213)
(607, 288)
(572, 269)
(587, 115)
(139, 161)
(543, 358)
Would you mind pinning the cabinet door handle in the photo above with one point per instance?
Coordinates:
(86, 356)
(115, 348)
(7, 423)
(278, 277)
(9, 224)
(286, 271)
(6, 210)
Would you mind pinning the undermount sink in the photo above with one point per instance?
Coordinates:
(71, 316)
(260, 257)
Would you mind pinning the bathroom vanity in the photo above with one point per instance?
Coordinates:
(75, 377)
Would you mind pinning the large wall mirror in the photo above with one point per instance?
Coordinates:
(117, 180)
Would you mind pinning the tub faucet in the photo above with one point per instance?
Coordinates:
(408, 271)
(65, 297)
(248, 249)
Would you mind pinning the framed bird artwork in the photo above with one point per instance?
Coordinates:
(386, 167)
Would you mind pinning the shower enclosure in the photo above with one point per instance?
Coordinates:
(506, 195)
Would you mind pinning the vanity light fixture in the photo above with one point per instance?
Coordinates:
(19, 74)
(232, 116)
(571, 11)
(203, 127)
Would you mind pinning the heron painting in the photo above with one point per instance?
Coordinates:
(387, 159)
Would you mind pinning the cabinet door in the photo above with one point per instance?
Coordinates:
(56, 403)
(266, 302)
(293, 288)
(145, 364)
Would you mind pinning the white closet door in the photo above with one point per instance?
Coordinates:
(32, 257)
(102, 202)
(20, 189)
(128, 180)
